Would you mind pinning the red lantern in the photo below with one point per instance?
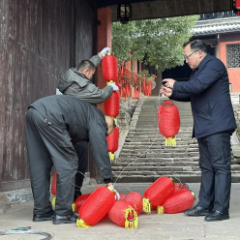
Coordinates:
(136, 201)
(157, 193)
(169, 121)
(96, 206)
(122, 196)
(178, 202)
(80, 200)
(111, 105)
(112, 141)
(179, 186)
(123, 215)
(54, 183)
(110, 68)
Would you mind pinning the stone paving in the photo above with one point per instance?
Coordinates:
(151, 226)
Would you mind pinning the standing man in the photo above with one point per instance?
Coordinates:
(77, 82)
(214, 123)
(53, 125)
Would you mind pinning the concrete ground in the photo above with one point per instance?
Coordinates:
(152, 227)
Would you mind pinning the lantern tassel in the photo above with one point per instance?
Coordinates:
(160, 210)
(53, 202)
(74, 207)
(133, 222)
(82, 224)
(146, 205)
(170, 141)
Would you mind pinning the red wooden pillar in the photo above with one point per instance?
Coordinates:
(104, 40)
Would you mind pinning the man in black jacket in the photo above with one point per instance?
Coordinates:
(53, 125)
(214, 123)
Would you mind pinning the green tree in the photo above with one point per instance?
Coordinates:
(156, 42)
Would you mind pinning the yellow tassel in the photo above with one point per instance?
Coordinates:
(170, 141)
(82, 224)
(115, 121)
(133, 223)
(146, 205)
(53, 202)
(160, 210)
(111, 156)
(73, 207)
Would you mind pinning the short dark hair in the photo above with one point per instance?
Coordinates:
(197, 45)
(86, 64)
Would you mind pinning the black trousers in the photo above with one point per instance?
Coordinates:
(81, 149)
(215, 161)
(48, 143)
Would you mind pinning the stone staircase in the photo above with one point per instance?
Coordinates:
(144, 156)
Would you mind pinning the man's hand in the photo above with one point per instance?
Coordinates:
(168, 82)
(114, 86)
(104, 51)
(166, 91)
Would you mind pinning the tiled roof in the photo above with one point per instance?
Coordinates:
(209, 27)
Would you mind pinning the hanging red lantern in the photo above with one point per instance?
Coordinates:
(178, 202)
(54, 183)
(136, 201)
(80, 200)
(169, 121)
(110, 68)
(96, 206)
(157, 193)
(123, 215)
(111, 105)
(112, 141)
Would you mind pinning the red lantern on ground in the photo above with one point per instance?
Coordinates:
(80, 200)
(179, 186)
(122, 196)
(96, 207)
(112, 141)
(178, 202)
(123, 215)
(157, 193)
(168, 121)
(110, 68)
(136, 201)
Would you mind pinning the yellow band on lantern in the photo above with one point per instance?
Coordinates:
(53, 202)
(193, 195)
(109, 187)
(170, 141)
(132, 223)
(82, 224)
(146, 205)
(115, 121)
(111, 156)
(160, 210)
(73, 207)
(109, 82)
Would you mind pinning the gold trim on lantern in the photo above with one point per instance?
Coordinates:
(133, 223)
(111, 156)
(160, 209)
(115, 121)
(73, 207)
(109, 82)
(147, 205)
(170, 141)
(82, 224)
(109, 187)
(53, 202)
(193, 194)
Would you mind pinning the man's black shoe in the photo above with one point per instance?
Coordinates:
(216, 216)
(64, 219)
(43, 217)
(197, 211)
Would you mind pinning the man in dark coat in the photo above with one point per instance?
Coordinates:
(214, 123)
(53, 125)
(77, 82)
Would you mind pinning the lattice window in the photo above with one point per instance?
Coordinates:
(233, 55)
